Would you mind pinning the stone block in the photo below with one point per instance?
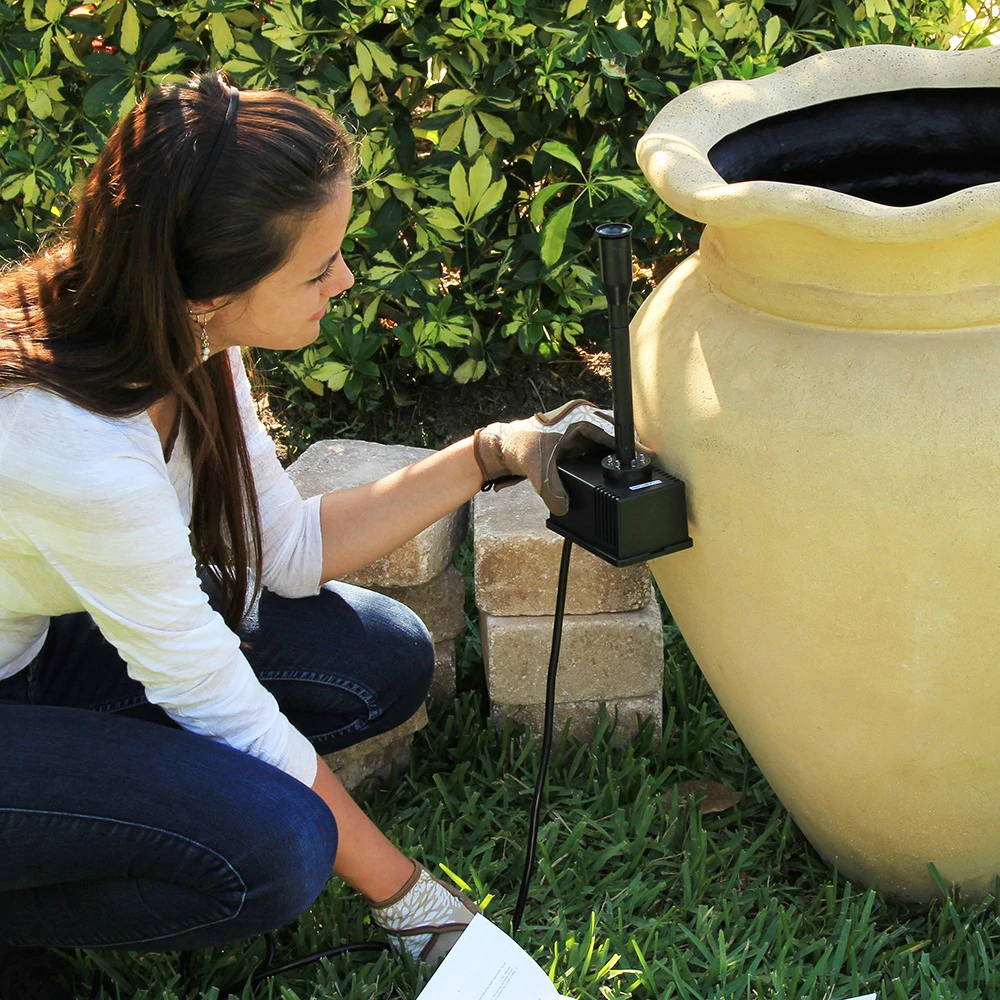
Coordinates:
(374, 757)
(582, 716)
(339, 464)
(443, 682)
(603, 657)
(439, 603)
(517, 563)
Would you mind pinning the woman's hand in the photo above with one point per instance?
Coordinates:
(530, 448)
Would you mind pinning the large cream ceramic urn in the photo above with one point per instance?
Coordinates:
(824, 375)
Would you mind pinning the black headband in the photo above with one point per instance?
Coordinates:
(216, 150)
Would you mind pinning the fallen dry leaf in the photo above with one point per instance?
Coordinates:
(716, 797)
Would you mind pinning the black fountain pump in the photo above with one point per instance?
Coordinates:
(621, 506)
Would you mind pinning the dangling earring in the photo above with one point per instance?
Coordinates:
(205, 348)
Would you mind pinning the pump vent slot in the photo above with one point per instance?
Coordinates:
(605, 517)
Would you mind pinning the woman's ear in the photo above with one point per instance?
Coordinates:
(205, 310)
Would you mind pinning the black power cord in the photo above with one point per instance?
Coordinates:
(543, 765)
(267, 968)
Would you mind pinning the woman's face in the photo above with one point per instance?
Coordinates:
(282, 311)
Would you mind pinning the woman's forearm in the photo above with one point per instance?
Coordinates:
(364, 523)
(365, 859)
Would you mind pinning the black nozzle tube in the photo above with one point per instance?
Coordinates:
(616, 273)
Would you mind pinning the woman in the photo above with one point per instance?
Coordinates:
(174, 657)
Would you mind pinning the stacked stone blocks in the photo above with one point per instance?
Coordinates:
(612, 641)
(419, 574)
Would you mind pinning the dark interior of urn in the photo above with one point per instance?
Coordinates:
(901, 147)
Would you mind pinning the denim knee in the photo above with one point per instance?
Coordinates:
(405, 660)
(292, 859)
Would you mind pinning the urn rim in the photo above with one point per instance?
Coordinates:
(673, 153)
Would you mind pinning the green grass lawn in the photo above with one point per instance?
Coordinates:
(637, 893)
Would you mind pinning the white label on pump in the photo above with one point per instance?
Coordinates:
(642, 486)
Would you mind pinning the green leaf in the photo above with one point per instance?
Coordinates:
(575, 7)
(38, 102)
(387, 66)
(479, 179)
(130, 30)
(452, 135)
(602, 150)
(451, 334)
(360, 99)
(128, 101)
(554, 234)
(366, 65)
(442, 218)
(490, 199)
(399, 181)
(537, 210)
(12, 189)
(67, 50)
(844, 16)
(496, 127)
(222, 34)
(623, 41)
(156, 37)
(562, 152)
(458, 185)
(54, 9)
(170, 59)
(456, 98)
(382, 273)
(469, 370)
(105, 64)
(371, 312)
(613, 69)
(30, 22)
(331, 373)
(665, 29)
(627, 186)
(431, 359)
(29, 189)
(104, 95)
(471, 135)
(771, 33)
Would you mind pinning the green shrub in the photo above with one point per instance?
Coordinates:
(493, 135)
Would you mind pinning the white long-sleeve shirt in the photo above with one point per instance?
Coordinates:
(92, 518)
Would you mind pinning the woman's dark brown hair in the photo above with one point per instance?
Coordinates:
(100, 317)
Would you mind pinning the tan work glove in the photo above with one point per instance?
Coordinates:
(528, 449)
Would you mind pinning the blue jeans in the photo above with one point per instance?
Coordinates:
(120, 829)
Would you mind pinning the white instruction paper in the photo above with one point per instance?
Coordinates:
(486, 964)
